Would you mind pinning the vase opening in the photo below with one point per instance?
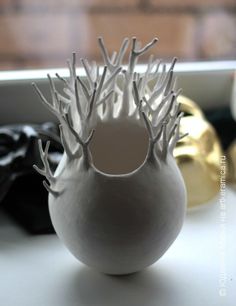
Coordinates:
(119, 147)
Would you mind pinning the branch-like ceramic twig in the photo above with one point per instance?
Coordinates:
(116, 93)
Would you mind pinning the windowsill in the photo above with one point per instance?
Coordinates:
(40, 271)
(17, 93)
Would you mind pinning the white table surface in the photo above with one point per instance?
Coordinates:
(39, 271)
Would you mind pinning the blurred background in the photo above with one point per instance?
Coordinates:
(42, 34)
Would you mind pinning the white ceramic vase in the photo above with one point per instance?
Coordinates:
(117, 199)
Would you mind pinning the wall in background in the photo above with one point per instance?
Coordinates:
(36, 33)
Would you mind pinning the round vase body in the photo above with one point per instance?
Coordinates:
(117, 199)
(119, 224)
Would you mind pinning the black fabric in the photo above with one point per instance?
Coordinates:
(224, 124)
(22, 194)
(26, 202)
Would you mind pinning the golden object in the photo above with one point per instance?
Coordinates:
(198, 154)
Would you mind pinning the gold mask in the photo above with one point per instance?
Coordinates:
(198, 154)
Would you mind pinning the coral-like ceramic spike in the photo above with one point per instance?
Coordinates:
(50, 190)
(115, 61)
(63, 80)
(44, 100)
(176, 137)
(77, 100)
(46, 171)
(166, 84)
(164, 142)
(88, 71)
(44, 157)
(91, 102)
(128, 106)
(84, 88)
(82, 142)
(136, 52)
(153, 139)
(66, 147)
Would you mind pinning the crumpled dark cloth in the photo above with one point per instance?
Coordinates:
(224, 123)
(22, 194)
